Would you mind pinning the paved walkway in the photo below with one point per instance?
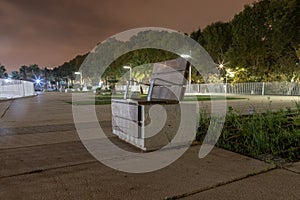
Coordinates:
(42, 157)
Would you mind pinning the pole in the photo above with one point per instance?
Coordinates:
(130, 75)
(190, 72)
(190, 77)
(81, 79)
(225, 82)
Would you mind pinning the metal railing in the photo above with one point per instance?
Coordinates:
(254, 88)
(249, 88)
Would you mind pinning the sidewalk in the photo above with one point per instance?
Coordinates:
(42, 157)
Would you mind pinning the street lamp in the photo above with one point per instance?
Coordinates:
(190, 68)
(222, 66)
(79, 73)
(130, 71)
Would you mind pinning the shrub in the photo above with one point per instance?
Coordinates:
(89, 87)
(275, 133)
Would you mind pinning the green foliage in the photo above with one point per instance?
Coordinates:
(263, 39)
(116, 53)
(274, 133)
(217, 39)
(3, 73)
(197, 36)
(134, 59)
(68, 69)
(14, 75)
(30, 72)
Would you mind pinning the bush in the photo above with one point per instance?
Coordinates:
(89, 87)
(274, 133)
(98, 91)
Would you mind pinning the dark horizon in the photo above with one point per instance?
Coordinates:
(49, 33)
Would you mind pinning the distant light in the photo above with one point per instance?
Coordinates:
(38, 81)
(221, 65)
(185, 56)
(77, 72)
(126, 67)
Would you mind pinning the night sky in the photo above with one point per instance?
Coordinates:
(49, 33)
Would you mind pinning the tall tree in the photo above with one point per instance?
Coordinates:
(24, 70)
(265, 38)
(3, 73)
(217, 39)
(14, 75)
(197, 36)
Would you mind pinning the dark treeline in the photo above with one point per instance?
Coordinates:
(261, 43)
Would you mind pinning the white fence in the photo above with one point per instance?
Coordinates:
(254, 88)
(15, 88)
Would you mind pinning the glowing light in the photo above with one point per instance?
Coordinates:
(185, 56)
(126, 67)
(38, 81)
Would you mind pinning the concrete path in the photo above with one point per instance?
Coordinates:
(42, 157)
(255, 103)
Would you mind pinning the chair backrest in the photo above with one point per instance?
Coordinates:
(168, 81)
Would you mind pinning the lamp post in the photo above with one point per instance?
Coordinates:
(222, 66)
(190, 68)
(79, 73)
(130, 71)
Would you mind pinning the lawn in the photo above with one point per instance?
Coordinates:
(102, 99)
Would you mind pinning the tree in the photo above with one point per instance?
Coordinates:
(35, 71)
(66, 71)
(197, 36)
(3, 73)
(265, 37)
(14, 75)
(217, 39)
(23, 71)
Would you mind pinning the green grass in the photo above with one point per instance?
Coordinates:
(271, 133)
(106, 99)
(208, 98)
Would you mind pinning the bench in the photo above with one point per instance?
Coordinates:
(141, 122)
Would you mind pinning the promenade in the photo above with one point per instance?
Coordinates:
(42, 157)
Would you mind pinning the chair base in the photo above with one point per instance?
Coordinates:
(132, 123)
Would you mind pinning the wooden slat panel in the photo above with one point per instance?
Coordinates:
(126, 126)
(174, 71)
(168, 93)
(176, 78)
(126, 111)
(176, 64)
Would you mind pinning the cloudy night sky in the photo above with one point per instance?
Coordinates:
(49, 33)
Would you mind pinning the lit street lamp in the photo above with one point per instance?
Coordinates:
(130, 71)
(228, 73)
(222, 66)
(190, 68)
(79, 73)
